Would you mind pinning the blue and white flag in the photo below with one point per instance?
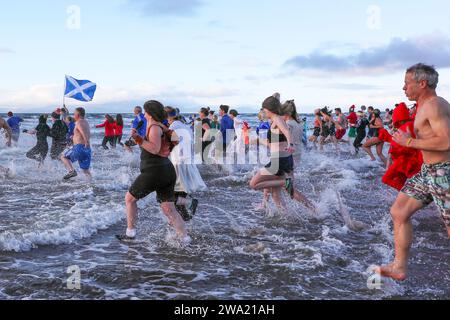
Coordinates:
(81, 90)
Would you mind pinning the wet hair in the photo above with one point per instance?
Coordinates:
(156, 110)
(109, 118)
(81, 112)
(289, 109)
(423, 72)
(119, 120)
(225, 108)
(234, 113)
(273, 105)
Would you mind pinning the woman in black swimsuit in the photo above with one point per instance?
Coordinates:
(279, 172)
(157, 173)
(376, 124)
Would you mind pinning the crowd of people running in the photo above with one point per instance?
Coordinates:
(418, 162)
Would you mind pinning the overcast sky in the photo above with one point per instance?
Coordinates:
(192, 53)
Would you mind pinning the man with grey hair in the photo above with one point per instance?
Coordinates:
(432, 137)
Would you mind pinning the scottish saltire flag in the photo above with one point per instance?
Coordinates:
(81, 90)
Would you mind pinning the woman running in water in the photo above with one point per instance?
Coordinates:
(317, 127)
(42, 131)
(109, 132)
(118, 130)
(278, 173)
(157, 174)
(376, 125)
(290, 115)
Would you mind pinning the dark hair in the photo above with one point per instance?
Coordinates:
(273, 105)
(70, 119)
(225, 108)
(109, 118)
(10, 114)
(370, 108)
(212, 113)
(204, 111)
(377, 113)
(81, 112)
(234, 113)
(172, 110)
(156, 110)
(119, 120)
(338, 110)
(289, 109)
(43, 119)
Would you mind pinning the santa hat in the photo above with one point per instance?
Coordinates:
(401, 113)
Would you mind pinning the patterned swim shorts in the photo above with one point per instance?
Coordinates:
(432, 184)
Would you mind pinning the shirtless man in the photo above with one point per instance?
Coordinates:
(432, 128)
(8, 133)
(81, 150)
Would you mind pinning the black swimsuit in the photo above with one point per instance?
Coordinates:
(157, 174)
(279, 166)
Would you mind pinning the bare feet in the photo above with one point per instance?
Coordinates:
(392, 271)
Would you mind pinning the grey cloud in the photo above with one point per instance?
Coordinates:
(397, 55)
(167, 7)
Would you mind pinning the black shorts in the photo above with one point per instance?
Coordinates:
(161, 180)
(316, 132)
(281, 166)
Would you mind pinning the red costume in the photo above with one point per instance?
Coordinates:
(352, 118)
(109, 128)
(406, 162)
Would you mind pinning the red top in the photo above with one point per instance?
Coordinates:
(109, 128)
(118, 129)
(352, 118)
(407, 162)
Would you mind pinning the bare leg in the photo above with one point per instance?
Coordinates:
(368, 149)
(132, 211)
(402, 211)
(174, 218)
(380, 153)
(276, 193)
(88, 174)
(300, 197)
(266, 181)
(67, 163)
